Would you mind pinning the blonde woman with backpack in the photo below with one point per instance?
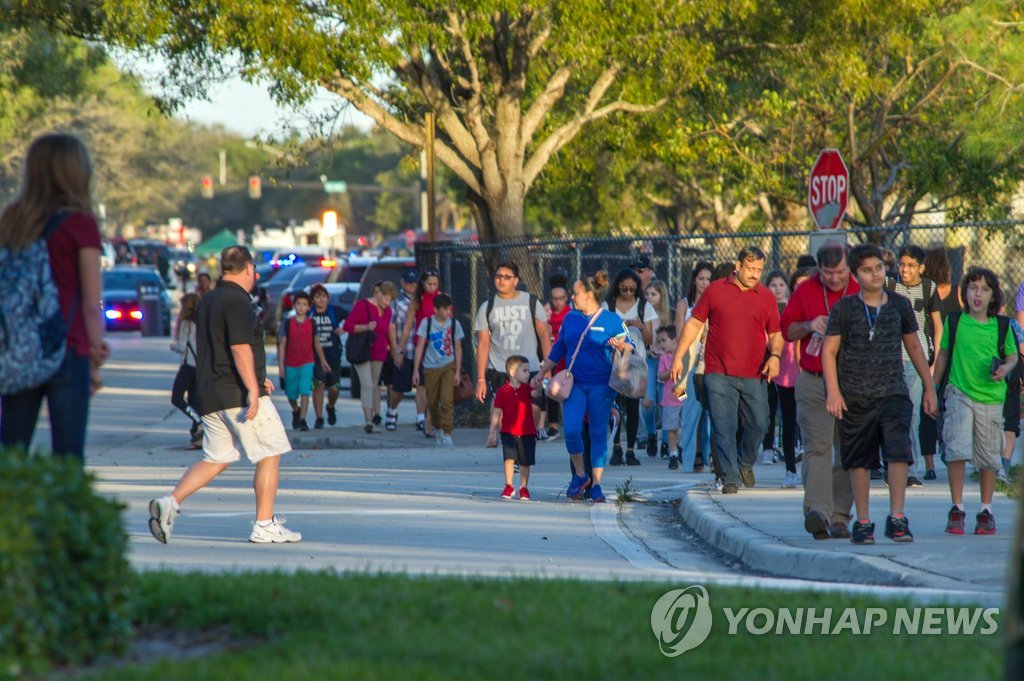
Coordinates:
(54, 205)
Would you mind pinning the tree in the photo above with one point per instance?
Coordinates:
(512, 83)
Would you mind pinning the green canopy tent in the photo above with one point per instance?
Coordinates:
(216, 243)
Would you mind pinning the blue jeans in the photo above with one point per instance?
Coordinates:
(689, 426)
(67, 398)
(737, 405)
(594, 402)
(650, 414)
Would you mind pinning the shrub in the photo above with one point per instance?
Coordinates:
(64, 578)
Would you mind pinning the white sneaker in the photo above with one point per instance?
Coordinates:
(446, 439)
(161, 518)
(274, 533)
(790, 480)
(1002, 477)
(438, 439)
(767, 457)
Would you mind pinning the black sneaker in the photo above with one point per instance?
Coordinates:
(816, 524)
(376, 419)
(673, 463)
(631, 459)
(616, 456)
(914, 481)
(898, 529)
(318, 424)
(664, 450)
(421, 425)
(332, 416)
(930, 474)
(302, 425)
(295, 419)
(730, 488)
(862, 533)
(877, 474)
(652, 445)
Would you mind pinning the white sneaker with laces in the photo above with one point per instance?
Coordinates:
(1002, 477)
(767, 457)
(446, 440)
(161, 518)
(274, 533)
(790, 480)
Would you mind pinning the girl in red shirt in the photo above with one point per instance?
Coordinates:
(57, 180)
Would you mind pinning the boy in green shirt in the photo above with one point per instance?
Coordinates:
(984, 353)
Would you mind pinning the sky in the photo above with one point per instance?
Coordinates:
(240, 107)
(248, 109)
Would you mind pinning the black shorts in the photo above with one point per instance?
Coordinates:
(1011, 405)
(495, 379)
(520, 448)
(329, 379)
(400, 379)
(869, 426)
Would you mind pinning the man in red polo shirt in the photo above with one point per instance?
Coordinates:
(828, 496)
(741, 315)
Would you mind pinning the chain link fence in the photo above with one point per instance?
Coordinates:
(466, 268)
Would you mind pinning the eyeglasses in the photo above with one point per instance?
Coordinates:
(559, 297)
(504, 277)
(627, 289)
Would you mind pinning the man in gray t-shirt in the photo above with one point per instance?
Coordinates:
(508, 329)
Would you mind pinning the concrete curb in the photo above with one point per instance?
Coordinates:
(763, 553)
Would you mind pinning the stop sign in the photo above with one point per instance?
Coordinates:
(828, 189)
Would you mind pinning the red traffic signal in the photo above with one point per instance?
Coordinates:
(207, 187)
(255, 187)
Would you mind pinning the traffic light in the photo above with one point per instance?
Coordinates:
(255, 187)
(207, 189)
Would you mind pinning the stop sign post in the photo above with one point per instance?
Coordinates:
(828, 189)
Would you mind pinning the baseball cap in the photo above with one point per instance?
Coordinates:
(410, 276)
(641, 262)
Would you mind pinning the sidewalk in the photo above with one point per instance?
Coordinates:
(763, 529)
(354, 437)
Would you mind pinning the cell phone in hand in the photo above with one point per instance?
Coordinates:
(994, 365)
(280, 382)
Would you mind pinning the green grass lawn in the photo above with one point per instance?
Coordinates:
(325, 626)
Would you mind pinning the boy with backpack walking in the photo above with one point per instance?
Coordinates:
(922, 294)
(865, 390)
(439, 352)
(976, 355)
(328, 332)
(297, 349)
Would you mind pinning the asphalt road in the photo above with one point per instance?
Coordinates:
(411, 509)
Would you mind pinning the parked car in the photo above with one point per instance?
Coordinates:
(121, 307)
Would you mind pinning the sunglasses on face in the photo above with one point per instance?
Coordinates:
(627, 289)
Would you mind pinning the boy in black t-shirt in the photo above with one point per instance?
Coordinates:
(865, 390)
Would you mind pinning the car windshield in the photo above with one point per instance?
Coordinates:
(309, 275)
(123, 280)
(352, 274)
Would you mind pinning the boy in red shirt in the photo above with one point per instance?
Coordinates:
(513, 413)
(297, 349)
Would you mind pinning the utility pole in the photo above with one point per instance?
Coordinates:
(223, 167)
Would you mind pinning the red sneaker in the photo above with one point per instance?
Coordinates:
(986, 523)
(524, 494)
(509, 492)
(955, 522)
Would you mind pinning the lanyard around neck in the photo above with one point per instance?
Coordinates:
(824, 293)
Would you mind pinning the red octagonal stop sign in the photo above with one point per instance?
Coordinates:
(828, 189)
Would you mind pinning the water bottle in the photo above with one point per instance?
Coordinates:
(679, 389)
(814, 345)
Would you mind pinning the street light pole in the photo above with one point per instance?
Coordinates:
(431, 217)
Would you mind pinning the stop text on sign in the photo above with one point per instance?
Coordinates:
(827, 189)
